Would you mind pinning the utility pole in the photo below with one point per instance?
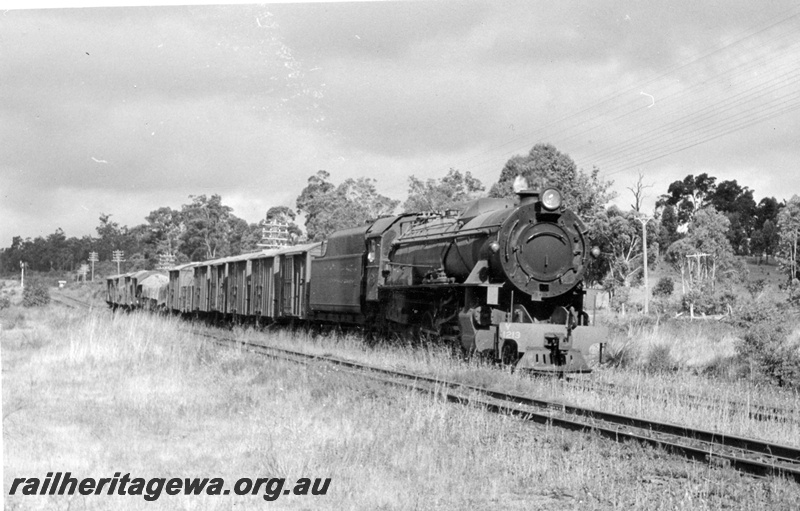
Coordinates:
(118, 256)
(22, 275)
(93, 259)
(644, 220)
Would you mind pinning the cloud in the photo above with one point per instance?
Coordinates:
(123, 110)
(372, 31)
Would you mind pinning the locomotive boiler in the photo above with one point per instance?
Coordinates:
(501, 279)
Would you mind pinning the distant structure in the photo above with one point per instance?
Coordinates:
(165, 261)
(275, 234)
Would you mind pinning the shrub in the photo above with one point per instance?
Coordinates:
(660, 360)
(752, 312)
(706, 302)
(5, 302)
(722, 366)
(665, 305)
(766, 351)
(621, 298)
(664, 287)
(755, 287)
(35, 294)
(619, 354)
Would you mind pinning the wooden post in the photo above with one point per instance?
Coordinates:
(644, 221)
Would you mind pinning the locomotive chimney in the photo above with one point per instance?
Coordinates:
(526, 195)
(529, 196)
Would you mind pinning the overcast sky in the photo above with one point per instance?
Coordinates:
(122, 110)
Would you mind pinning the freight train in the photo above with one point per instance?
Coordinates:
(498, 277)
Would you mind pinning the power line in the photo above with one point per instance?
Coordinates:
(598, 113)
(784, 108)
(644, 114)
(685, 124)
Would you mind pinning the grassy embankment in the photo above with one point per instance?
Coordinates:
(97, 394)
(659, 395)
(662, 362)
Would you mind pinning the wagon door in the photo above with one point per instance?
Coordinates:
(209, 299)
(262, 279)
(236, 287)
(299, 279)
(248, 302)
(221, 289)
(287, 274)
(198, 286)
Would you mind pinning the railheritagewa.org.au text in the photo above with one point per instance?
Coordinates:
(65, 483)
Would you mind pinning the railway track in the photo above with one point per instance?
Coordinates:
(754, 411)
(73, 303)
(747, 455)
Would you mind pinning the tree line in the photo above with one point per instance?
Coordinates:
(204, 228)
(697, 215)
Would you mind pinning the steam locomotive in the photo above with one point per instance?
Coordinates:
(495, 277)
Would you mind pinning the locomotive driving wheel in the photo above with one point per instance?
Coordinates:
(440, 331)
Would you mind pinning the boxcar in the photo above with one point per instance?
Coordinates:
(293, 278)
(133, 286)
(262, 286)
(265, 286)
(181, 288)
(151, 290)
(115, 287)
(238, 271)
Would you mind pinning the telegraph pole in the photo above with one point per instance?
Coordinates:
(93, 259)
(644, 220)
(117, 256)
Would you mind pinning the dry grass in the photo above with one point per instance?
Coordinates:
(92, 293)
(99, 394)
(658, 395)
(692, 345)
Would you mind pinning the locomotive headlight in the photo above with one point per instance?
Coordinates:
(494, 247)
(551, 199)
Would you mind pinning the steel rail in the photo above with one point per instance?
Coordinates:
(71, 302)
(780, 460)
(754, 411)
